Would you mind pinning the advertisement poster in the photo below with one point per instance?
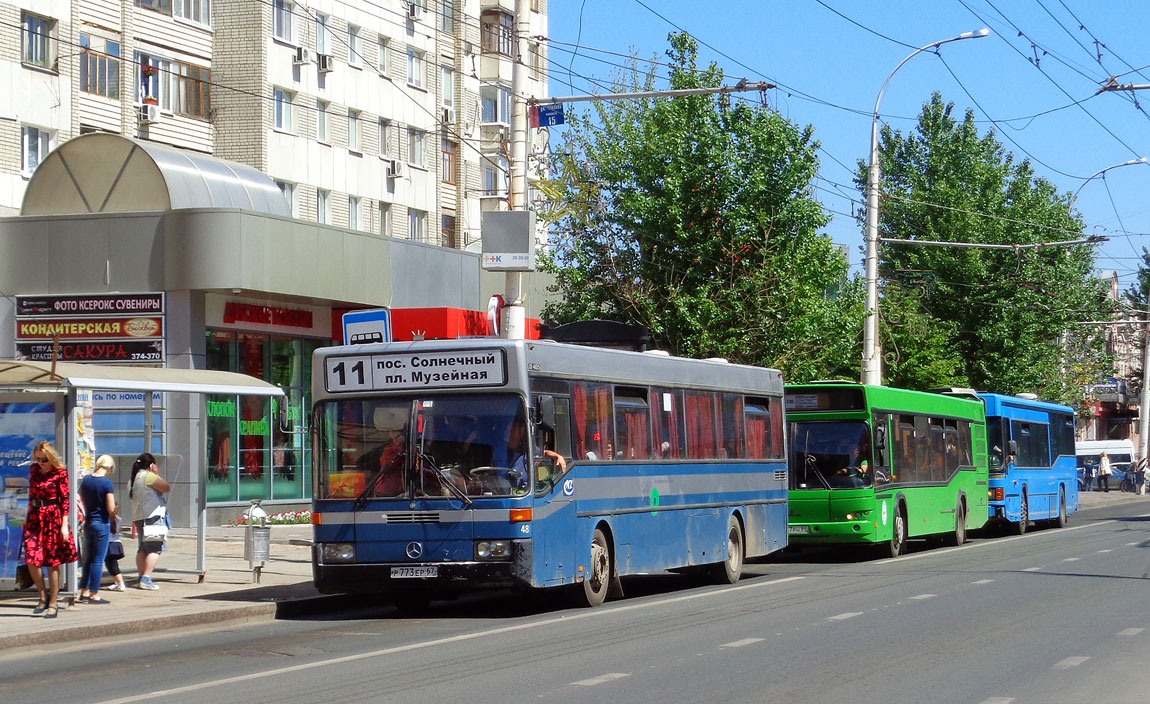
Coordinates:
(85, 435)
(22, 425)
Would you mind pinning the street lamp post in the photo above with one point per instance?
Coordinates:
(872, 348)
(1100, 172)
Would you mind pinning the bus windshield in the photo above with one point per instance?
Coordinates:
(478, 444)
(829, 454)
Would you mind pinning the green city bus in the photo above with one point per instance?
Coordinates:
(872, 465)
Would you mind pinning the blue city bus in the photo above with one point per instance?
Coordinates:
(448, 466)
(1033, 474)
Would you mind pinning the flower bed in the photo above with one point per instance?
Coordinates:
(284, 518)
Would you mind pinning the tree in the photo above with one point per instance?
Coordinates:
(1008, 318)
(694, 217)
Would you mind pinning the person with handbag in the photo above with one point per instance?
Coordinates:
(98, 495)
(149, 513)
(47, 537)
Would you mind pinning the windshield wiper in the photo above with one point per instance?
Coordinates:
(443, 479)
(810, 466)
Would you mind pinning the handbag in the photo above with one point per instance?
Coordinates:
(116, 549)
(156, 525)
(23, 574)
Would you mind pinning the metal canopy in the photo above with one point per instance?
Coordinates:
(76, 375)
(108, 173)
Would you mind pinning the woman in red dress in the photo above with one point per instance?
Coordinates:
(47, 540)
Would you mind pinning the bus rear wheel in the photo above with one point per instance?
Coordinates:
(898, 536)
(598, 578)
(1023, 517)
(1059, 521)
(958, 537)
(729, 570)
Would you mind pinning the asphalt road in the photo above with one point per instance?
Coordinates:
(1052, 616)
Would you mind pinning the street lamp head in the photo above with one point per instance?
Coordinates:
(975, 35)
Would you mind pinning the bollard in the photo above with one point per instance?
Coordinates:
(257, 538)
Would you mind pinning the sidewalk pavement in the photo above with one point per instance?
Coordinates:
(227, 593)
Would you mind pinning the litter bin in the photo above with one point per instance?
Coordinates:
(257, 538)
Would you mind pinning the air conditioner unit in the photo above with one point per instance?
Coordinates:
(149, 113)
(448, 117)
(415, 12)
(394, 168)
(302, 55)
(324, 63)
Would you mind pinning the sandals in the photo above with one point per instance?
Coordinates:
(95, 600)
(51, 611)
(40, 607)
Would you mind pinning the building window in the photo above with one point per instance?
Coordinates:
(176, 87)
(447, 86)
(384, 138)
(321, 107)
(383, 49)
(496, 104)
(495, 170)
(100, 66)
(449, 163)
(322, 42)
(283, 20)
(164, 6)
(37, 47)
(415, 147)
(385, 219)
(534, 60)
(354, 47)
(37, 144)
(415, 68)
(535, 5)
(447, 231)
(283, 117)
(354, 141)
(288, 189)
(497, 33)
(198, 11)
(447, 16)
(323, 206)
(353, 212)
(416, 225)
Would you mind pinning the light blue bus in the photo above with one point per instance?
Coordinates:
(1033, 476)
(448, 466)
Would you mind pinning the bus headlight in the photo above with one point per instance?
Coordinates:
(857, 515)
(492, 549)
(337, 552)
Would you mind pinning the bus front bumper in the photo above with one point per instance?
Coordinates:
(832, 532)
(440, 578)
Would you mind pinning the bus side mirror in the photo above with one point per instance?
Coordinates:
(880, 444)
(1012, 447)
(284, 420)
(545, 412)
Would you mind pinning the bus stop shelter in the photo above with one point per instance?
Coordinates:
(48, 401)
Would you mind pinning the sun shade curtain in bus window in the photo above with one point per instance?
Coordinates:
(700, 408)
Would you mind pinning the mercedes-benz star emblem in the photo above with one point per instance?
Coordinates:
(414, 550)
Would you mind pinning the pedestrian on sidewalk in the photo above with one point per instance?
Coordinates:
(1104, 472)
(47, 538)
(98, 495)
(115, 553)
(147, 494)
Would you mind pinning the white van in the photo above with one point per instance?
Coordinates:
(1120, 452)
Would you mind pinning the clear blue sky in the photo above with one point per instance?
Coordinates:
(1032, 80)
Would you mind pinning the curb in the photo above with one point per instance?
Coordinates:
(252, 612)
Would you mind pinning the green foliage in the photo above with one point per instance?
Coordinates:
(1000, 320)
(694, 216)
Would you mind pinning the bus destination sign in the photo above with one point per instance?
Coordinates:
(415, 370)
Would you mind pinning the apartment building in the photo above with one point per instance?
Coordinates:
(386, 116)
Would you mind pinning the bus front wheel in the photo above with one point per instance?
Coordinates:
(729, 570)
(898, 536)
(598, 578)
(1023, 517)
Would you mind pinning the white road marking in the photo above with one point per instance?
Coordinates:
(609, 612)
(924, 596)
(997, 700)
(1070, 662)
(1106, 550)
(610, 676)
(983, 581)
(843, 617)
(1032, 569)
(1130, 631)
(1072, 559)
(741, 643)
